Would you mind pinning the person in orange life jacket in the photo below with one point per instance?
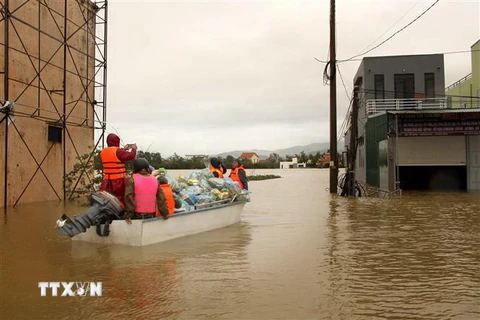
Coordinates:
(238, 174)
(217, 168)
(143, 195)
(113, 160)
(172, 200)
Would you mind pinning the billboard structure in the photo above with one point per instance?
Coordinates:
(53, 79)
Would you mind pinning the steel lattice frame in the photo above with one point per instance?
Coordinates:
(94, 24)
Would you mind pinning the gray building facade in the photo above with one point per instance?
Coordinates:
(389, 80)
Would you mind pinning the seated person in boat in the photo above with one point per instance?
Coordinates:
(143, 194)
(172, 200)
(217, 168)
(238, 174)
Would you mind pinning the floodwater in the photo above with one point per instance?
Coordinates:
(299, 253)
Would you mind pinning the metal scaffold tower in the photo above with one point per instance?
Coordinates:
(53, 92)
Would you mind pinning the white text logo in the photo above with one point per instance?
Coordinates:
(71, 289)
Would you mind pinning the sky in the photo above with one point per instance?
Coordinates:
(205, 77)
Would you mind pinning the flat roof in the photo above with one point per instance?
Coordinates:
(406, 55)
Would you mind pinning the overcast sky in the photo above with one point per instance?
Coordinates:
(204, 77)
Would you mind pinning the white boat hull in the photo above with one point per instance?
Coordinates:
(150, 231)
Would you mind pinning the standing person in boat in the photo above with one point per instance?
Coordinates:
(238, 174)
(113, 160)
(143, 194)
(217, 168)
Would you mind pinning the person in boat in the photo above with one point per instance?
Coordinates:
(238, 174)
(173, 202)
(113, 160)
(217, 168)
(143, 194)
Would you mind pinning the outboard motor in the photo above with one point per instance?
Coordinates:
(105, 207)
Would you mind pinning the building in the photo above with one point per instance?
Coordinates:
(53, 68)
(465, 93)
(292, 164)
(409, 136)
(324, 160)
(250, 156)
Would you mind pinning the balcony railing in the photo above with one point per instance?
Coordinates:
(374, 106)
(453, 85)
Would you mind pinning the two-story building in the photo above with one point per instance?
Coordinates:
(409, 136)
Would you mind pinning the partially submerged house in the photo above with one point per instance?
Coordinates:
(409, 134)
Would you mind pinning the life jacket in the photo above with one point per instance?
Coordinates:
(167, 190)
(234, 175)
(113, 168)
(145, 193)
(220, 172)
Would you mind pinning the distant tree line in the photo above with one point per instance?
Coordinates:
(177, 162)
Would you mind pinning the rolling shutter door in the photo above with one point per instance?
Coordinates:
(432, 151)
(473, 166)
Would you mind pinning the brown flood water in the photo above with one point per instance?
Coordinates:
(298, 253)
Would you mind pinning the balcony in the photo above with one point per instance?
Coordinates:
(453, 85)
(374, 106)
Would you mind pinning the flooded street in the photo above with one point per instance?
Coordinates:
(299, 253)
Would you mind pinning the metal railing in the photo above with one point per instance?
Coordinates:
(456, 83)
(374, 106)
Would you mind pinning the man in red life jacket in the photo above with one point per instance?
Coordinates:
(238, 174)
(143, 195)
(217, 168)
(113, 161)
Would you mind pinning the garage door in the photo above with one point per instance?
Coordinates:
(431, 151)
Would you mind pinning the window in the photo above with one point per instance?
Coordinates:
(379, 86)
(429, 85)
(54, 134)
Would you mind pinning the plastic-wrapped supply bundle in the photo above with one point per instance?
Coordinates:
(243, 196)
(228, 182)
(187, 207)
(196, 190)
(189, 198)
(205, 198)
(234, 189)
(206, 174)
(216, 183)
(195, 175)
(200, 187)
(193, 182)
(205, 185)
(173, 183)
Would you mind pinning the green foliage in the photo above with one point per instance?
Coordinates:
(83, 178)
(262, 177)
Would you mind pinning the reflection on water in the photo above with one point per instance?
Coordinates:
(298, 253)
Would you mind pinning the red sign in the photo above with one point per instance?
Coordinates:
(438, 124)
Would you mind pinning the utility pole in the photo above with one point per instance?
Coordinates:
(333, 104)
(353, 143)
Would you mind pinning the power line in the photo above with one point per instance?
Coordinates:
(343, 82)
(411, 8)
(444, 53)
(394, 34)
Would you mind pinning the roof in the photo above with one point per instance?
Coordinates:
(248, 155)
(403, 56)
